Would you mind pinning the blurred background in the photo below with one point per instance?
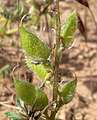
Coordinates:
(82, 58)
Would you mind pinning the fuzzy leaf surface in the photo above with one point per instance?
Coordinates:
(41, 70)
(33, 46)
(68, 90)
(41, 100)
(69, 29)
(25, 91)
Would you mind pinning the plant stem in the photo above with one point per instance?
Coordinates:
(56, 66)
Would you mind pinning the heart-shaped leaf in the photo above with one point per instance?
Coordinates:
(41, 70)
(33, 46)
(41, 100)
(68, 90)
(69, 29)
(13, 116)
(25, 91)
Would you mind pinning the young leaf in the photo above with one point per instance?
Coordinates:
(13, 116)
(68, 90)
(41, 70)
(33, 46)
(41, 100)
(69, 29)
(25, 91)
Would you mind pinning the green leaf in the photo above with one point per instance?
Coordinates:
(33, 46)
(41, 100)
(68, 90)
(2, 30)
(19, 102)
(49, 1)
(69, 29)
(21, 9)
(25, 91)
(41, 70)
(36, 20)
(37, 5)
(5, 69)
(13, 116)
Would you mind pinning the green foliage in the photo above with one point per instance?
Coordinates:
(41, 70)
(36, 56)
(2, 25)
(37, 5)
(69, 29)
(68, 90)
(21, 9)
(36, 20)
(13, 116)
(19, 102)
(48, 1)
(25, 91)
(41, 100)
(31, 99)
(33, 46)
(5, 69)
(2, 30)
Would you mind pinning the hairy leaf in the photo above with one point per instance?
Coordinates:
(68, 91)
(25, 91)
(41, 100)
(33, 46)
(69, 29)
(41, 70)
